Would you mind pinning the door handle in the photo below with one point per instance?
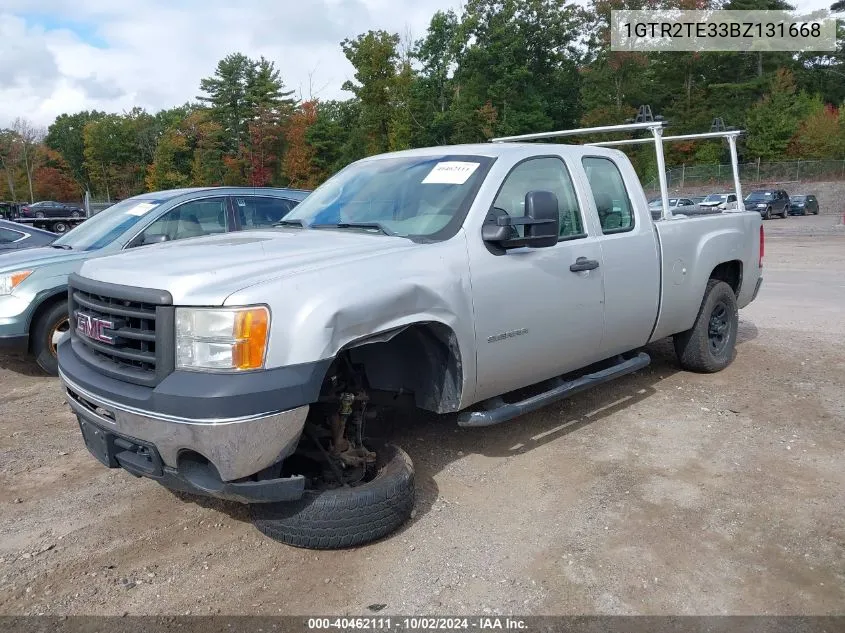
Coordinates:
(582, 263)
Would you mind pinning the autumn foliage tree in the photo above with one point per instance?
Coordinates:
(299, 166)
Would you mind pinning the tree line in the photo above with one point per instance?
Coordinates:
(496, 68)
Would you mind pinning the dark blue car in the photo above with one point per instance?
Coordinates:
(15, 237)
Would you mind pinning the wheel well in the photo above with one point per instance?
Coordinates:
(45, 305)
(422, 359)
(730, 273)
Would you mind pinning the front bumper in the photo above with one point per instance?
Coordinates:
(15, 313)
(236, 447)
(18, 344)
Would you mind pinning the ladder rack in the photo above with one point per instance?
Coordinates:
(656, 129)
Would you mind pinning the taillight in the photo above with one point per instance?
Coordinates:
(762, 246)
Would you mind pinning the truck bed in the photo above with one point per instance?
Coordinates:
(690, 250)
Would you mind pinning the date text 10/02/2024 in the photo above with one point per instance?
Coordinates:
(418, 623)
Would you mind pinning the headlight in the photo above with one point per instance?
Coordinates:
(222, 339)
(761, 204)
(10, 281)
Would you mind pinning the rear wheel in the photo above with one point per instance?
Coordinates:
(50, 329)
(785, 211)
(39, 214)
(60, 227)
(709, 345)
(76, 214)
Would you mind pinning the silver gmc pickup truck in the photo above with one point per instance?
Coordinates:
(248, 366)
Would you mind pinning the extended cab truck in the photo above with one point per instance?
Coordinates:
(454, 274)
(33, 283)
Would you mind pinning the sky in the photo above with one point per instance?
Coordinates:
(58, 56)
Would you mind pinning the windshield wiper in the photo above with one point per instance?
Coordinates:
(355, 225)
(64, 247)
(284, 222)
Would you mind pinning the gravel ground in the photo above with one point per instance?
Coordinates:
(662, 493)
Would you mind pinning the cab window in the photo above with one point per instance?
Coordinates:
(259, 211)
(610, 195)
(541, 174)
(192, 219)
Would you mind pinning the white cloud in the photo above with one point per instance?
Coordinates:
(59, 57)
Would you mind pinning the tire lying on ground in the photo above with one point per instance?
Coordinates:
(344, 517)
(708, 346)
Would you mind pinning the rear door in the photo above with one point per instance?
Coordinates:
(536, 314)
(630, 257)
(257, 212)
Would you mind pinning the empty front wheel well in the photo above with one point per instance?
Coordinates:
(730, 273)
(422, 359)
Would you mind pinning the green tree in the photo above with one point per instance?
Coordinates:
(65, 135)
(241, 90)
(773, 121)
(519, 55)
(111, 156)
(336, 136)
(374, 56)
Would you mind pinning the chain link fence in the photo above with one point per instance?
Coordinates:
(757, 172)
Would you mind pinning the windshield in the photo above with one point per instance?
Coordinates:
(759, 195)
(104, 228)
(799, 198)
(716, 197)
(414, 196)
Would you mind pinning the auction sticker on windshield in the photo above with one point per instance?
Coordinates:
(141, 208)
(450, 172)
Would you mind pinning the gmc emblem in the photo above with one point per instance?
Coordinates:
(94, 328)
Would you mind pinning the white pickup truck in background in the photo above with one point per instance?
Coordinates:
(247, 366)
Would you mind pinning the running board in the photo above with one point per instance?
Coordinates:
(498, 411)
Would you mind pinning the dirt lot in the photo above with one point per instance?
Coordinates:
(662, 493)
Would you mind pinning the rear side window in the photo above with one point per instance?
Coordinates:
(610, 195)
(258, 211)
(7, 236)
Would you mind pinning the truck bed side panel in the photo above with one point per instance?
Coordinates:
(691, 249)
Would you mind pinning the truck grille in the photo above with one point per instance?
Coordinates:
(122, 331)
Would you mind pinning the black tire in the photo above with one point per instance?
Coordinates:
(39, 214)
(76, 214)
(60, 227)
(709, 346)
(768, 214)
(785, 212)
(43, 339)
(344, 517)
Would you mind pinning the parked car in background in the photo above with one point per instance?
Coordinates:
(673, 203)
(15, 237)
(721, 201)
(33, 284)
(768, 202)
(51, 209)
(803, 204)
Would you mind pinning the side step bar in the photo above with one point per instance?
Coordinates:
(498, 411)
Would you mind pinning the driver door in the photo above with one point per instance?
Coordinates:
(535, 318)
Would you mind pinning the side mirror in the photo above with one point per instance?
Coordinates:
(541, 222)
(145, 240)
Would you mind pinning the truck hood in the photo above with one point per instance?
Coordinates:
(206, 270)
(33, 258)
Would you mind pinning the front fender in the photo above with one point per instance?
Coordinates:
(316, 314)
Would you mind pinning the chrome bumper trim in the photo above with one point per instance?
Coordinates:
(237, 447)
